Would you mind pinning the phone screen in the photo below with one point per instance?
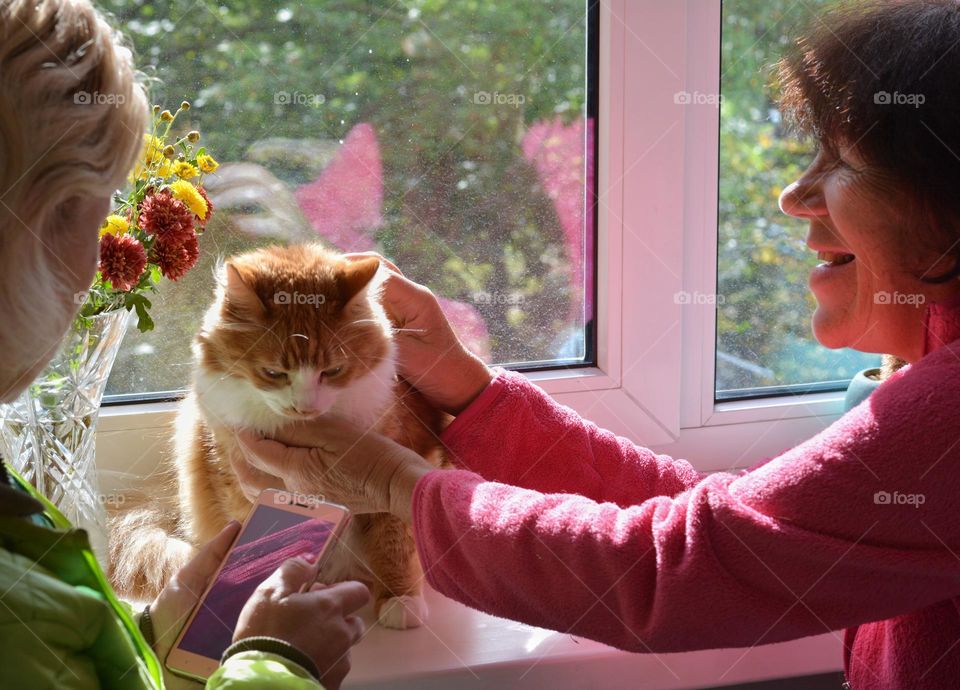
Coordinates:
(270, 537)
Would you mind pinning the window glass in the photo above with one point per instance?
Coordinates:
(764, 307)
(453, 137)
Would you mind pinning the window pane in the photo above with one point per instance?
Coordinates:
(763, 319)
(453, 137)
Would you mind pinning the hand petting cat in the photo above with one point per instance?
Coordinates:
(329, 457)
(361, 469)
(429, 354)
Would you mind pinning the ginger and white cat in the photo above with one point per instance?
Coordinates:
(294, 332)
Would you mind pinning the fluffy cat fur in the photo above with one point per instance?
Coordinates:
(294, 332)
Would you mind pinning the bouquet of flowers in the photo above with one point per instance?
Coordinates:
(153, 231)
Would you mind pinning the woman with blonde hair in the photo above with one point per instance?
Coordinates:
(71, 125)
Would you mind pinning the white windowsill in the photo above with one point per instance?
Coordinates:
(463, 648)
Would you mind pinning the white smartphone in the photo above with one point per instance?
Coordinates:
(280, 525)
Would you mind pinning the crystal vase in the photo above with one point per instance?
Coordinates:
(48, 433)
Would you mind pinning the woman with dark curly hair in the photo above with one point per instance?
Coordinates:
(554, 522)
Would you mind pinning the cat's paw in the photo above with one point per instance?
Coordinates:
(400, 613)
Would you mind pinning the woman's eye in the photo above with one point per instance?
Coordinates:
(274, 374)
(335, 371)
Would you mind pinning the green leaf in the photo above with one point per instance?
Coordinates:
(140, 304)
(144, 322)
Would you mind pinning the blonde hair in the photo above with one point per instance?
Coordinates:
(72, 117)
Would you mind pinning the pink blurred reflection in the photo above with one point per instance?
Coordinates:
(344, 205)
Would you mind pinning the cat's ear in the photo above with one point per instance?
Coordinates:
(240, 298)
(355, 276)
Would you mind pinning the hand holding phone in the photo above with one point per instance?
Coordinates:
(266, 586)
(319, 622)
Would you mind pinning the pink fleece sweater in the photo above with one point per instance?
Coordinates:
(557, 523)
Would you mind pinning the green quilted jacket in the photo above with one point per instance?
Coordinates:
(62, 627)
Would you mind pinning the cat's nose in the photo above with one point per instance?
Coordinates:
(304, 409)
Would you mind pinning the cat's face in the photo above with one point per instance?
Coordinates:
(294, 329)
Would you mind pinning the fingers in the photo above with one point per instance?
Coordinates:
(348, 596)
(196, 574)
(252, 480)
(267, 454)
(325, 432)
(357, 628)
(400, 294)
(290, 577)
(357, 256)
(355, 624)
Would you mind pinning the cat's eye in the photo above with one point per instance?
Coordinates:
(335, 371)
(274, 374)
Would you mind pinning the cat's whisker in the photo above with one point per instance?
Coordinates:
(354, 323)
(343, 342)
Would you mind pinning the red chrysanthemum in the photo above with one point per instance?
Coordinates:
(175, 255)
(163, 215)
(122, 260)
(203, 221)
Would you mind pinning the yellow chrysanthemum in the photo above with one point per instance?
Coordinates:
(165, 169)
(162, 168)
(185, 170)
(115, 225)
(152, 149)
(188, 194)
(207, 163)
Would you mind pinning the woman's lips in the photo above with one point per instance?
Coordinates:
(835, 258)
(835, 266)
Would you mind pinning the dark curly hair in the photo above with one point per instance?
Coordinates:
(884, 78)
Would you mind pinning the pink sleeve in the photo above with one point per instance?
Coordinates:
(854, 525)
(516, 434)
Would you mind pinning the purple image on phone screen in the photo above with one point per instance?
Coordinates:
(270, 537)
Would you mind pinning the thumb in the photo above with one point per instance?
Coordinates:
(197, 573)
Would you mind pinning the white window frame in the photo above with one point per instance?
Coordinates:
(657, 235)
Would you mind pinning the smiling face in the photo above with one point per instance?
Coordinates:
(868, 288)
(293, 335)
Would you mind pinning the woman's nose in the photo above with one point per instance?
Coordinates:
(803, 198)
